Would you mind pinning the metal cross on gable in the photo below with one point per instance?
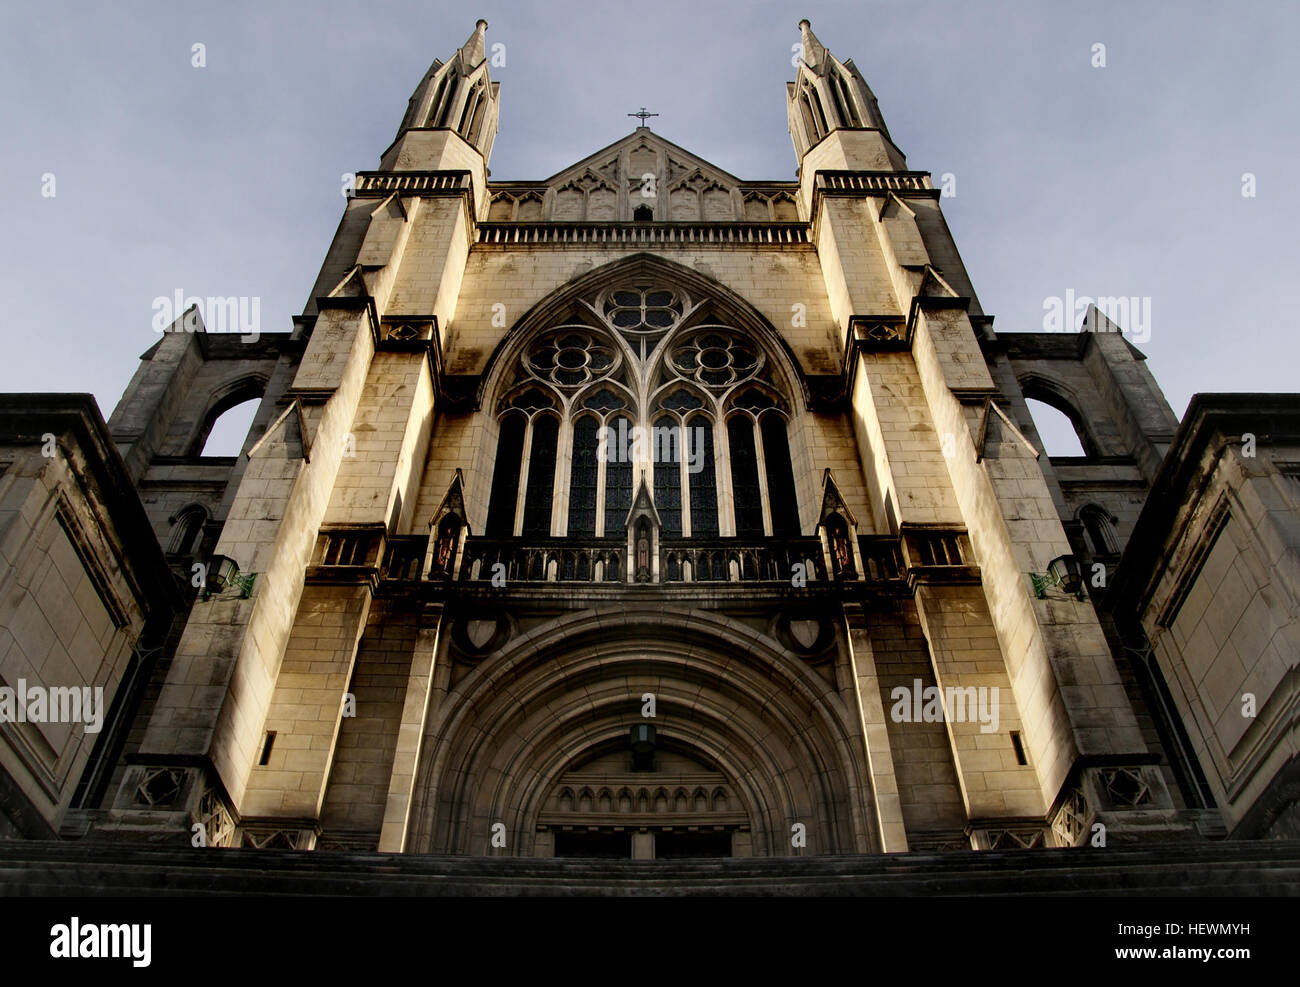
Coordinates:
(642, 115)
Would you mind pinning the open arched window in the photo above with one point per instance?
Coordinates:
(1057, 420)
(471, 117)
(848, 112)
(814, 117)
(224, 426)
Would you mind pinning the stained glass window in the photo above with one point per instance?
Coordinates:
(668, 478)
(703, 481)
(541, 477)
(583, 475)
(505, 480)
(780, 476)
(618, 482)
(744, 477)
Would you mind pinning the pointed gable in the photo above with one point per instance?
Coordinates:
(619, 182)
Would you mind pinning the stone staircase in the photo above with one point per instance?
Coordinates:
(96, 869)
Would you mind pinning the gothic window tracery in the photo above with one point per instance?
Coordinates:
(643, 315)
(715, 359)
(643, 382)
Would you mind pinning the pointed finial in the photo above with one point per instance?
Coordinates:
(813, 51)
(472, 50)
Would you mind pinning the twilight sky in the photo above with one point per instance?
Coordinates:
(224, 180)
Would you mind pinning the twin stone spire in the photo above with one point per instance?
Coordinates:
(827, 95)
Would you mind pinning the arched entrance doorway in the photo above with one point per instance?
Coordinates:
(528, 752)
(643, 799)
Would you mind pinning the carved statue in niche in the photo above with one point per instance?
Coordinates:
(445, 546)
(841, 553)
(642, 554)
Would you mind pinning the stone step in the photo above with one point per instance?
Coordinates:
(53, 868)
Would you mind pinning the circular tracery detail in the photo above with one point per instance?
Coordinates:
(715, 358)
(643, 314)
(643, 309)
(571, 357)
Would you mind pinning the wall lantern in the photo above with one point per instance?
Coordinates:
(1062, 571)
(223, 572)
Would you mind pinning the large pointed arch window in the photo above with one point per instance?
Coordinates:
(644, 384)
(560, 466)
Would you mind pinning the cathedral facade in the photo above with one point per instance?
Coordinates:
(645, 511)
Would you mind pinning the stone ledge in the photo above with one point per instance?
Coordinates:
(1218, 869)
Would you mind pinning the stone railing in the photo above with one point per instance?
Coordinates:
(349, 547)
(404, 557)
(873, 181)
(584, 560)
(882, 557)
(937, 553)
(370, 183)
(641, 234)
(723, 560)
(923, 551)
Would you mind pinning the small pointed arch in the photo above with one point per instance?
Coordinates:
(785, 209)
(838, 529)
(187, 529)
(529, 397)
(1099, 526)
(448, 528)
(606, 397)
(1053, 394)
(681, 397)
(757, 397)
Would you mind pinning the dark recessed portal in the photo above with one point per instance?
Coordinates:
(677, 845)
(611, 846)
